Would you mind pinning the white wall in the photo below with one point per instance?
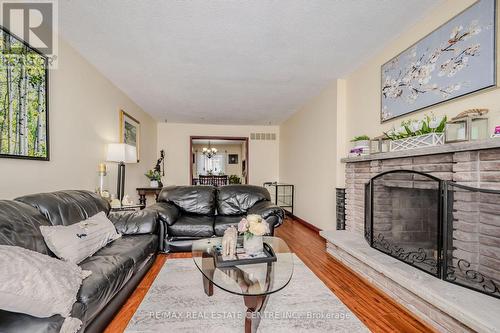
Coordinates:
(84, 116)
(174, 139)
(363, 85)
(355, 100)
(308, 148)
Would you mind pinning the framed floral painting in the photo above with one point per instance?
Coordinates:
(456, 59)
(130, 131)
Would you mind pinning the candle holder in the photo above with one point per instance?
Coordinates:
(102, 183)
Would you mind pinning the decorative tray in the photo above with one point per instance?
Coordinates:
(267, 256)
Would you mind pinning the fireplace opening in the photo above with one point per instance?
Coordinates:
(448, 230)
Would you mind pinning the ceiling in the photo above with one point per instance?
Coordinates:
(230, 62)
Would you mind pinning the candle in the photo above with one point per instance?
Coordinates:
(102, 167)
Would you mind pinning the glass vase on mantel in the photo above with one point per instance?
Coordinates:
(253, 244)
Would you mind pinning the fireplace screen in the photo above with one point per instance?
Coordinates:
(473, 238)
(445, 229)
(406, 217)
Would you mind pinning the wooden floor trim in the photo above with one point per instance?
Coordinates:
(305, 223)
(373, 307)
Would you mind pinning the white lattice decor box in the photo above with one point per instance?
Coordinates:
(421, 141)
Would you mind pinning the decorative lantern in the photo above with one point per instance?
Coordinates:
(380, 144)
(469, 125)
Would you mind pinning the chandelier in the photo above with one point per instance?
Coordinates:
(210, 151)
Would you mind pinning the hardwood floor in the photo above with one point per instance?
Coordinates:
(377, 311)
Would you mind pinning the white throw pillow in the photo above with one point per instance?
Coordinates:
(37, 284)
(78, 241)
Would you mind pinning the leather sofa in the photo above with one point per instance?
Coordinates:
(188, 213)
(116, 269)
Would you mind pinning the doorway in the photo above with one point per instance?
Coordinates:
(218, 160)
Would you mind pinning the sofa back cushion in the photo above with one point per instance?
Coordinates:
(237, 199)
(190, 199)
(67, 207)
(20, 226)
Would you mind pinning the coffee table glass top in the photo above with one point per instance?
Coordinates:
(246, 280)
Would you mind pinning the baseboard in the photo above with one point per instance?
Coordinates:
(305, 223)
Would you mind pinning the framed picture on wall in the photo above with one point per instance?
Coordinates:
(456, 59)
(24, 111)
(130, 131)
(232, 158)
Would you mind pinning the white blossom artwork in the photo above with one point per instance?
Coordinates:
(456, 59)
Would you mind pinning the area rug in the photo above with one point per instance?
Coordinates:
(176, 302)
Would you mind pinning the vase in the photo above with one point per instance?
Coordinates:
(360, 144)
(153, 183)
(420, 141)
(253, 244)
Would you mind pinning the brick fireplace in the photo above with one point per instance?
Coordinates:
(445, 190)
(404, 218)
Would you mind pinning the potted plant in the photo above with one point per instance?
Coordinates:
(253, 227)
(154, 177)
(233, 179)
(360, 141)
(418, 133)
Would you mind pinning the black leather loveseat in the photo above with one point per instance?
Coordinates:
(116, 269)
(188, 213)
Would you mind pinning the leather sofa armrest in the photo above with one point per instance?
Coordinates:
(167, 212)
(135, 222)
(267, 209)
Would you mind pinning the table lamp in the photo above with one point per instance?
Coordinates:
(121, 153)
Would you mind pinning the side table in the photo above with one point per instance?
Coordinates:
(143, 191)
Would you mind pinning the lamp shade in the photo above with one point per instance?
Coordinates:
(121, 152)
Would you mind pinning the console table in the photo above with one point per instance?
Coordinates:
(143, 191)
(128, 208)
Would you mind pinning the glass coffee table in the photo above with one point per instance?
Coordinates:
(255, 282)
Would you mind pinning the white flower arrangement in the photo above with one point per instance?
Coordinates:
(410, 128)
(253, 225)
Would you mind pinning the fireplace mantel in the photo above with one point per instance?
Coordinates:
(441, 149)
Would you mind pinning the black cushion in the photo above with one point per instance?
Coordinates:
(67, 207)
(112, 267)
(11, 322)
(167, 212)
(222, 222)
(135, 222)
(190, 199)
(109, 274)
(192, 226)
(237, 199)
(139, 248)
(267, 209)
(20, 226)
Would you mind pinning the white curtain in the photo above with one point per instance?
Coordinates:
(216, 164)
(200, 163)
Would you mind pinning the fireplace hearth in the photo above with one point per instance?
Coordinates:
(448, 230)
